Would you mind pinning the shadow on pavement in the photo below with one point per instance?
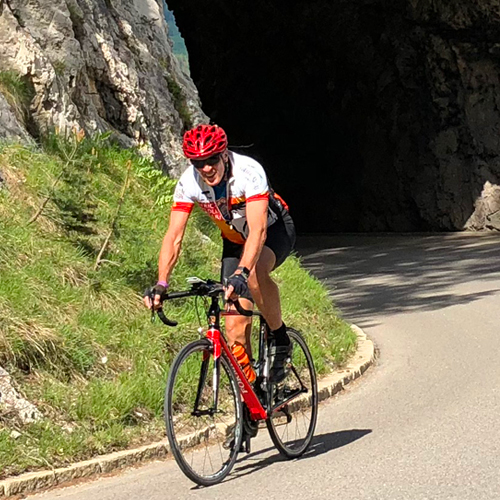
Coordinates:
(322, 443)
(374, 275)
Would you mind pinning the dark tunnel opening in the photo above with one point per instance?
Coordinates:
(359, 110)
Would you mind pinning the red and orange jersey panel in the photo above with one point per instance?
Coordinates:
(247, 183)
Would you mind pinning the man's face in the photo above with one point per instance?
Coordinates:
(211, 169)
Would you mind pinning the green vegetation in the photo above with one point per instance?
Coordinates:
(179, 47)
(81, 223)
(19, 92)
(59, 67)
(179, 101)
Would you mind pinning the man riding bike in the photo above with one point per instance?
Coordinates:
(257, 230)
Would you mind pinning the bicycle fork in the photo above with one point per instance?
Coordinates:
(203, 378)
(257, 412)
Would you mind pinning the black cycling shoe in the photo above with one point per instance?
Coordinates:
(281, 356)
(229, 444)
(250, 429)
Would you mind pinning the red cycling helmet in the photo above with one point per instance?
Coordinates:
(204, 141)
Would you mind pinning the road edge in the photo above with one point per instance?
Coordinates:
(33, 482)
(362, 359)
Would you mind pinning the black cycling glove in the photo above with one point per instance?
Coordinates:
(239, 283)
(159, 290)
(155, 290)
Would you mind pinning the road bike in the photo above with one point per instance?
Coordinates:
(212, 411)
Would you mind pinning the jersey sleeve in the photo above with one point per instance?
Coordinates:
(256, 185)
(182, 201)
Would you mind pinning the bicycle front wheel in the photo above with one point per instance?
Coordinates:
(295, 399)
(204, 429)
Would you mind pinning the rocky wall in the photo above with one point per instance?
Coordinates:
(11, 127)
(368, 114)
(101, 65)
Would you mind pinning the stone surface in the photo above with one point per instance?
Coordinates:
(76, 471)
(390, 110)
(13, 404)
(28, 483)
(10, 127)
(126, 458)
(102, 65)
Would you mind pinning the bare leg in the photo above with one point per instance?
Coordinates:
(264, 290)
(239, 328)
(266, 295)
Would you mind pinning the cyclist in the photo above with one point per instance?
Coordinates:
(257, 230)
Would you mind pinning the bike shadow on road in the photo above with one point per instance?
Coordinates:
(322, 443)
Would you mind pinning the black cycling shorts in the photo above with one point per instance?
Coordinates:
(280, 239)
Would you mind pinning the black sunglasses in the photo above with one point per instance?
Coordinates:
(211, 160)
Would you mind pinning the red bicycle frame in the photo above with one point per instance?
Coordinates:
(257, 411)
(213, 290)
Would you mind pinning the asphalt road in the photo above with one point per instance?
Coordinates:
(422, 423)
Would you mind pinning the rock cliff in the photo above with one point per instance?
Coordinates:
(369, 114)
(383, 115)
(98, 65)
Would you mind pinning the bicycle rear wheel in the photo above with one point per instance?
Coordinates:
(204, 440)
(291, 425)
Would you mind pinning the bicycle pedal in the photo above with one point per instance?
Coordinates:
(247, 444)
(229, 444)
(287, 413)
(251, 428)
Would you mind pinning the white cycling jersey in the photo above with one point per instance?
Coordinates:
(247, 182)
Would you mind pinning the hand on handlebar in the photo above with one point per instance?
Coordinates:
(153, 297)
(235, 286)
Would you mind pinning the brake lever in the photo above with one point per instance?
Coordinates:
(241, 310)
(160, 314)
(164, 319)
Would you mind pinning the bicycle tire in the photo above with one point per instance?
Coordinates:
(302, 367)
(198, 439)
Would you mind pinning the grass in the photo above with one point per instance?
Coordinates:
(76, 339)
(18, 91)
(179, 101)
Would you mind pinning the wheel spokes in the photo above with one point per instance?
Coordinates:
(292, 426)
(197, 431)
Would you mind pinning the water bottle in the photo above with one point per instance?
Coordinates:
(241, 356)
